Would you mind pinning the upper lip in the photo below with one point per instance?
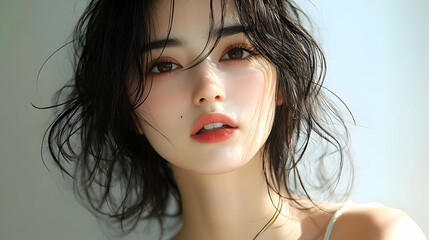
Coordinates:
(212, 118)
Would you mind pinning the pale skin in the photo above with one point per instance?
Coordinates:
(222, 185)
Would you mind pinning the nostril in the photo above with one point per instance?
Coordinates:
(216, 98)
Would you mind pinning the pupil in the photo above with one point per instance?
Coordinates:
(235, 53)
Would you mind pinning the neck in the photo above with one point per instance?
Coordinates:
(233, 205)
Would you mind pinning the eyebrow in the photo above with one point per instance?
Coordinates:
(174, 42)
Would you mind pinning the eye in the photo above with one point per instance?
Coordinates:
(164, 67)
(236, 53)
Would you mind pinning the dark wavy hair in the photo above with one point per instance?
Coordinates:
(95, 138)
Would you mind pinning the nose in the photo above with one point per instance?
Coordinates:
(208, 85)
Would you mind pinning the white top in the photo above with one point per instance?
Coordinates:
(332, 222)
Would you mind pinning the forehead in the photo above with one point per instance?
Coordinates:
(191, 18)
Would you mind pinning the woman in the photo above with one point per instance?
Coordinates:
(213, 105)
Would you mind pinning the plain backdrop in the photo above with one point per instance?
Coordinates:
(377, 53)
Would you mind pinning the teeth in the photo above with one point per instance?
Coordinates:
(213, 125)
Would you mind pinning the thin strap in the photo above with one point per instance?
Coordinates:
(332, 222)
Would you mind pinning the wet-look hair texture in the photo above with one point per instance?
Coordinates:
(95, 135)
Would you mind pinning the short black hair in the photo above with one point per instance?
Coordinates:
(95, 128)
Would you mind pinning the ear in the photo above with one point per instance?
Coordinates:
(139, 129)
(279, 99)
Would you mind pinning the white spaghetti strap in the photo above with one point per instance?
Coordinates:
(332, 222)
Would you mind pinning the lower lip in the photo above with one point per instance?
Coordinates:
(215, 136)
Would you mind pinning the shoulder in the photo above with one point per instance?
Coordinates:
(375, 221)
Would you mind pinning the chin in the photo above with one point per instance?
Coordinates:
(215, 161)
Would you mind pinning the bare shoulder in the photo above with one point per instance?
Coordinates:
(375, 221)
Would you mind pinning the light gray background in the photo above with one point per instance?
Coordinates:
(377, 54)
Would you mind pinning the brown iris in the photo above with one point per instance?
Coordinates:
(164, 66)
(235, 53)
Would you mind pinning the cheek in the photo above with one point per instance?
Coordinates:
(164, 104)
(246, 88)
(253, 90)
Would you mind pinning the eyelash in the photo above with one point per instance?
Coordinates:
(244, 47)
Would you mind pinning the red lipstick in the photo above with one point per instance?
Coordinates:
(213, 128)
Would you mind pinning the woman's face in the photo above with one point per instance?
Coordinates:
(232, 90)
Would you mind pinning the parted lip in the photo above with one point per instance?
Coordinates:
(212, 118)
